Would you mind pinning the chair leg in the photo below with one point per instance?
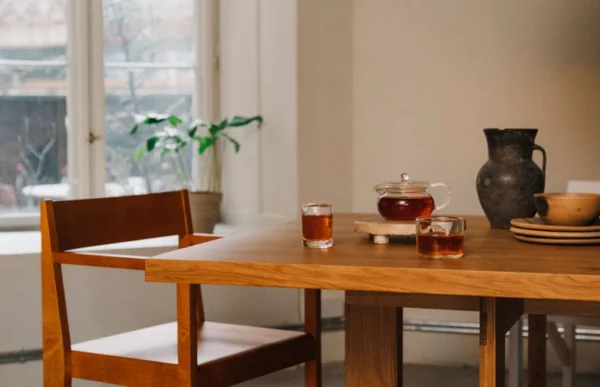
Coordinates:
(312, 326)
(56, 341)
(56, 377)
(515, 355)
(569, 369)
(187, 334)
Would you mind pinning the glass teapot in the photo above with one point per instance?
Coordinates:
(407, 200)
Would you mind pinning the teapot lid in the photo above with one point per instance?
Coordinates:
(404, 185)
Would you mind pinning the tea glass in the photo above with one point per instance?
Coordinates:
(440, 237)
(317, 225)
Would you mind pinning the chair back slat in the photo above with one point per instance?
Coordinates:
(94, 222)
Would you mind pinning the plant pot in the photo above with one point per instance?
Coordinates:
(205, 208)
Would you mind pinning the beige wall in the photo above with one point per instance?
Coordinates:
(258, 75)
(430, 75)
(325, 102)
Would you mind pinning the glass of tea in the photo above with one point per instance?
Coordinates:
(317, 225)
(440, 237)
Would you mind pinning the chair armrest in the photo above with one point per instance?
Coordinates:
(196, 239)
(115, 261)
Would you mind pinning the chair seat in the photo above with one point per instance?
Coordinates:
(215, 341)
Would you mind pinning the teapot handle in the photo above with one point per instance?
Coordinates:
(433, 185)
(537, 147)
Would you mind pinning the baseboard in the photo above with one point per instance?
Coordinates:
(429, 348)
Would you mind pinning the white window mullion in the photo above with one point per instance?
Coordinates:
(85, 99)
(207, 59)
(206, 66)
(97, 169)
(77, 114)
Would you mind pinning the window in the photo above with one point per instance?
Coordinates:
(73, 74)
(33, 68)
(149, 66)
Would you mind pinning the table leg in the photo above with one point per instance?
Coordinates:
(536, 374)
(496, 316)
(313, 374)
(373, 346)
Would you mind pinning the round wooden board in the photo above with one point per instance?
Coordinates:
(555, 234)
(538, 224)
(553, 241)
(382, 229)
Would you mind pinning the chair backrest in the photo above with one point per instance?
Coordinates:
(92, 222)
(583, 186)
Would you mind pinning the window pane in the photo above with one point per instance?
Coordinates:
(149, 63)
(33, 37)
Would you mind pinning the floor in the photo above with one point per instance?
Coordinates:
(415, 376)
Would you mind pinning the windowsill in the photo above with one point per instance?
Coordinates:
(19, 221)
(29, 242)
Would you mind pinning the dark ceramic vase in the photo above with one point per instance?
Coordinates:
(507, 181)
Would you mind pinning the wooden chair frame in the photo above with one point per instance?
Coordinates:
(70, 225)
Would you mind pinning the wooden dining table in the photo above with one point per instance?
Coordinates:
(499, 277)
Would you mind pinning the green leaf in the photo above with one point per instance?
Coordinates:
(192, 131)
(223, 124)
(164, 152)
(243, 121)
(151, 143)
(174, 120)
(134, 129)
(154, 118)
(139, 152)
(215, 129)
(205, 143)
(235, 143)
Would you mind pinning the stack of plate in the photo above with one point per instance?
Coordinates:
(534, 230)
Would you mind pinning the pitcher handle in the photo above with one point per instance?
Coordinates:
(433, 185)
(537, 147)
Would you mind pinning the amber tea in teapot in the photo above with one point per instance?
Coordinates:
(407, 199)
(405, 209)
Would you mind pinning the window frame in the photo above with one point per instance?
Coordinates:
(86, 130)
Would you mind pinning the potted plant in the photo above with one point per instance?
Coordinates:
(171, 137)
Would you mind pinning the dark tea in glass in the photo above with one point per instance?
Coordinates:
(440, 237)
(317, 225)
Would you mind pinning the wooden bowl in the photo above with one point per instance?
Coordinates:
(568, 209)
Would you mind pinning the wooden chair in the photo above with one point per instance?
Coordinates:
(188, 352)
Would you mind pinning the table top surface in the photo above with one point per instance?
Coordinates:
(494, 265)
